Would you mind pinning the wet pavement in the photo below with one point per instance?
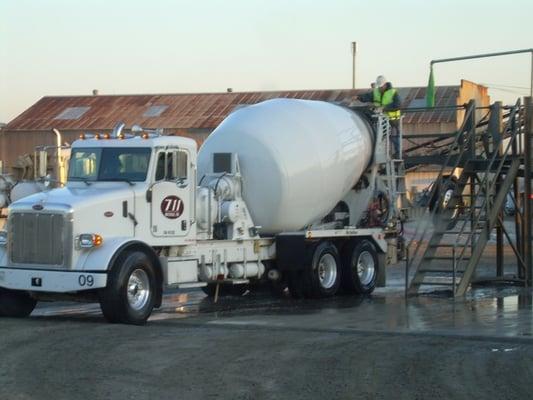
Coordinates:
(486, 312)
(259, 346)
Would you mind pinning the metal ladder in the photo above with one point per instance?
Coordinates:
(395, 169)
(455, 243)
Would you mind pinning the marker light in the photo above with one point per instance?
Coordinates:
(106, 136)
(3, 238)
(97, 136)
(90, 240)
(82, 136)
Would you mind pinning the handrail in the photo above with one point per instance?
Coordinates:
(470, 110)
(440, 137)
(485, 179)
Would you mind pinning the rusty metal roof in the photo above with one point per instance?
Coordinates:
(445, 96)
(193, 110)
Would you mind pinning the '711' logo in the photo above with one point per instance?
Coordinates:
(172, 207)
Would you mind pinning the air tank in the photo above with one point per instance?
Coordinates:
(298, 158)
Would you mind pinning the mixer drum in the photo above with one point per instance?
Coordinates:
(298, 158)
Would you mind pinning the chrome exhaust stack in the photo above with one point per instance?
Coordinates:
(117, 130)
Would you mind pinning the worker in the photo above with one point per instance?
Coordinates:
(384, 96)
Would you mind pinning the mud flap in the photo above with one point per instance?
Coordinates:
(381, 280)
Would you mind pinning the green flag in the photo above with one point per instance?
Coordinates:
(430, 92)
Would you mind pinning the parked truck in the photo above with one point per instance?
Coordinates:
(282, 192)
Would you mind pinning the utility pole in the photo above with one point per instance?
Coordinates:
(354, 52)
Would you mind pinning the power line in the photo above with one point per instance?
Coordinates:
(506, 86)
(508, 90)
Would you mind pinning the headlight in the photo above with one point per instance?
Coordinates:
(3, 238)
(90, 240)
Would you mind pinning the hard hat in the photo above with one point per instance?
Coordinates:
(380, 81)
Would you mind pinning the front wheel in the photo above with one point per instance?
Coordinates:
(16, 303)
(360, 268)
(131, 289)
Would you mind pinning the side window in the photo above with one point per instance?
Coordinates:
(181, 165)
(160, 167)
(172, 165)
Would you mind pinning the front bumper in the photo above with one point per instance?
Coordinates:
(51, 281)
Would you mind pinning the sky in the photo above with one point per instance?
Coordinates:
(70, 47)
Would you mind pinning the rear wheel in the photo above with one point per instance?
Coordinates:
(16, 303)
(131, 289)
(322, 277)
(360, 268)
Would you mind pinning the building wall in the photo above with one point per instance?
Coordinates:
(14, 144)
(414, 129)
(469, 90)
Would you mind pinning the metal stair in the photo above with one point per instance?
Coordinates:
(396, 176)
(395, 169)
(450, 238)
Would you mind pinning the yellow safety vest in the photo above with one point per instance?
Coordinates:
(385, 100)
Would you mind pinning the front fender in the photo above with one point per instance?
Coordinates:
(100, 258)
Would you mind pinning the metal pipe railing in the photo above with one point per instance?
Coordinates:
(456, 144)
(484, 181)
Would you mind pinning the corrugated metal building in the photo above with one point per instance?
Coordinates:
(196, 115)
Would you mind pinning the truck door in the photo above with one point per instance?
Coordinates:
(171, 194)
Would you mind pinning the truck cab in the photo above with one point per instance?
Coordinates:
(156, 179)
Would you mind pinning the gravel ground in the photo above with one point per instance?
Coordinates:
(86, 359)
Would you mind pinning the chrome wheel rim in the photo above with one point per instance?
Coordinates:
(365, 267)
(138, 289)
(447, 198)
(327, 271)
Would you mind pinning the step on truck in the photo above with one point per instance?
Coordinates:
(290, 193)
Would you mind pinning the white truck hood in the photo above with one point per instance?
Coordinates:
(77, 198)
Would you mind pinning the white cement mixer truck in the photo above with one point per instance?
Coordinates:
(281, 192)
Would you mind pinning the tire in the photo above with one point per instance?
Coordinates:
(360, 268)
(225, 290)
(16, 303)
(448, 207)
(323, 275)
(130, 294)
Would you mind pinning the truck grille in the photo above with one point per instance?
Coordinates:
(39, 239)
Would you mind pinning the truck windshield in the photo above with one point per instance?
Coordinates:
(109, 164)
